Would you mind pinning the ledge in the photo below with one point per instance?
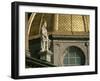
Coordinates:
(33, 62)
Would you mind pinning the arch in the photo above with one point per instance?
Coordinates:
(27, 30)
(30, 21)
(35, 25)
(73, 56)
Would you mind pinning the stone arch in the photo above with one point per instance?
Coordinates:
(78, 53)
(27, 30)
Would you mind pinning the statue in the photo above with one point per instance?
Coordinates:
(45, 53)
(44, 37)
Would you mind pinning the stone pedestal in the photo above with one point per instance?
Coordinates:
(45, 55)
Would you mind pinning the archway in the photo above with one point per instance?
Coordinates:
(73, 56)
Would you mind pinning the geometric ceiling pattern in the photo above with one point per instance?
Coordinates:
(66, 23)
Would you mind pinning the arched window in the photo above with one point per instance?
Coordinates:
(73, 56)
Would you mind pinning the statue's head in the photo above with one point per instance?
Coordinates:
(45, 24)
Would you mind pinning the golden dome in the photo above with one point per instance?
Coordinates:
(65, 24)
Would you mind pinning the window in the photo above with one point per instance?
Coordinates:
(73, 56)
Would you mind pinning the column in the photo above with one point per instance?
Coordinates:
(55, 27)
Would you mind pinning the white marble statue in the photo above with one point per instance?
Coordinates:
(44, 37)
